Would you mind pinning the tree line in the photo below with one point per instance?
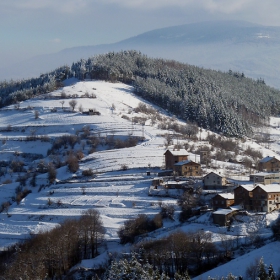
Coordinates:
(50, 255)
(228, 103)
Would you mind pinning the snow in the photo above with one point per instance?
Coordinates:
(117, 194)
(270, 253)
(227, 195)
(179, 152)
(270, 188)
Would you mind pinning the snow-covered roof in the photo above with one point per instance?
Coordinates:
(223, 211)
(226, 195)
(248, 187)
(183, 162)
(180, 152)
(264, 174)
(270, 188)
(236, 207)
(266, 159)
(220, 175)
(176, 182)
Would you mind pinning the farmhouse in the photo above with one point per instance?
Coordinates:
(176, 185)
(222, 200)
(243, 195)
(174, 156)
(265, 178)
(214, 181)
(269, 164)
(222, 217)
(187, 168)
(266, 198)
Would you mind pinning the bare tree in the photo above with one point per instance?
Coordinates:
(93, 230)
(36, 114)
(73, 103)
(51, 173)
(62, 103)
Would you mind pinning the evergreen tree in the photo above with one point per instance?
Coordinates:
(271, 273)
(262, 274)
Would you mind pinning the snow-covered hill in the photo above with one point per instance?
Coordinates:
(118, 193)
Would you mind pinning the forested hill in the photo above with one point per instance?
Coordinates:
(228, 103)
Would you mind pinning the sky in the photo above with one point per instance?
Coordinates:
(31, 27)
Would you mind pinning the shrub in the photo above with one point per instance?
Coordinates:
(36, 114)
(8, 181)
(87, 172)
(72, 163)
(79, 154)
(134, 227)
(51, 173)
(276, 228)
(124, 167)
(167, 211)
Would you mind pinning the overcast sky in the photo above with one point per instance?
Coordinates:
(32, 27)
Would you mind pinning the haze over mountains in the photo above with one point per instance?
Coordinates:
(221, 45)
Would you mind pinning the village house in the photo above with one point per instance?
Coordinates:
(176, 184)
(214, 181)
(265, 178)
(222, 217)
(174, 156)
(187, 168)
(269, 164)
(222, 200)
(266, 198)
(243, 196)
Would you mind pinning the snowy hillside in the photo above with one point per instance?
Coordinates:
(119, 185)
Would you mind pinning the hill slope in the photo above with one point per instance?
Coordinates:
(227, 103)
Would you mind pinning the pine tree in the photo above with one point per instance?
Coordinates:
(262, 274)
(271, 273)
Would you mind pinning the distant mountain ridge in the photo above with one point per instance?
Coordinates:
(221, 45)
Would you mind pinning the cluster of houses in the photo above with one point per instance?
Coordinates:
(261, 193)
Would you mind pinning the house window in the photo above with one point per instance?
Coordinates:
(269, 196)
(270, 202)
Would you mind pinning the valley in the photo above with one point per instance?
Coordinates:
(122, 150)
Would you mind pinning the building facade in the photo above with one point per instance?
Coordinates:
(265, 178)
(187, 168)
(174, 156)
(214, 181)
(266, 198)
(269, 164)
(243, 195)
(222, 200)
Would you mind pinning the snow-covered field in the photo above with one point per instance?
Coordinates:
(118, 195)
